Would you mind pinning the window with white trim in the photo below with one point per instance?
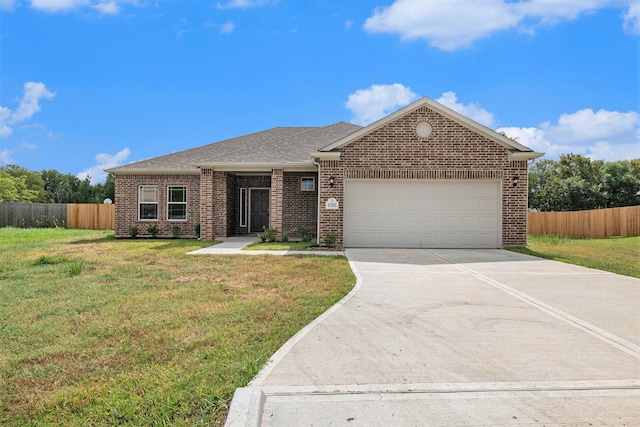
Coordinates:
(308, 184)
(243, 207)
(148, 202)
(177, 203)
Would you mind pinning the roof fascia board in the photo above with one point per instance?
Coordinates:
(325, 155)
(438, 108)
(116, 171)
(525, 155)
(258, 167)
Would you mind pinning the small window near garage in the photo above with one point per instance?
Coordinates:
(148, 202)
(308, 184)
(177, 203)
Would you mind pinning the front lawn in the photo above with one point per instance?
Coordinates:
(620, 255)
(99, 331)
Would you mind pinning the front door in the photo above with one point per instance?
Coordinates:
(259, 209)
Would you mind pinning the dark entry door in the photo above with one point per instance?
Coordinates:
(259, 210)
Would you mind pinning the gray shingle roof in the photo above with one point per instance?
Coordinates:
(280, 145)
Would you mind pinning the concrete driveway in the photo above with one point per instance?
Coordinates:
(459, 337)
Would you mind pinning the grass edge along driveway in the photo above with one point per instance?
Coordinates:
(616, 255)
(99, 331)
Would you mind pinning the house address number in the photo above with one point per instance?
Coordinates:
(331, 204)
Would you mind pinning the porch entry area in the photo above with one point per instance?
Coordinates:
(259, 200)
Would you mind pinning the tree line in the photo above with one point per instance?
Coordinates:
(18, 184)
(576, 183)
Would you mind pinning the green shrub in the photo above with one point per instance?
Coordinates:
(197, 230)
(133, 230)
(330, 239)
(152, 229)
(175, 230)
(268, 234)
(304, 234)
(285, 237)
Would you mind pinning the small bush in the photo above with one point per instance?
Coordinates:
(304, 234)
(268, 234)
(175, 230)
(152, 229)
(197, 230)
(48, 222)
(330, 239)
(285, 237)
(133, 230)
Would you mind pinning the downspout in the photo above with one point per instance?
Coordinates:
(313, 160)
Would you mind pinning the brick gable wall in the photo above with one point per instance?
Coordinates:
(452, 151)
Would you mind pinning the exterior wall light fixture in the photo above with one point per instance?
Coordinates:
(332, 181)
(515, 180)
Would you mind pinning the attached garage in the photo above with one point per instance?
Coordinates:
(422, 213)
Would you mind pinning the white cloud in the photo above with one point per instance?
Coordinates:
(108, 8)
(29, 105)
(104, 7)
(243, 4)
(53, 6)
(446, 24)
(472, 111)
(455, 24)
(104, 161)
(369, 105)
(5, 157)
(7, 5)
(632, 19)
(227, 27)
(606, 135)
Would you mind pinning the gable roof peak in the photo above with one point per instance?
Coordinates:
(510, 144)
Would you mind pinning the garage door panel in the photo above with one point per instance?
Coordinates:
(422, 214)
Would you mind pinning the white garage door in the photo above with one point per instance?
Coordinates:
(422, 214)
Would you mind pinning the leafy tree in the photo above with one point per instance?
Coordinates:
(28, 185)
(620, 185)
(574, 182)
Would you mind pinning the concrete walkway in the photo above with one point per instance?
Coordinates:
(459, 337)
(235, 245)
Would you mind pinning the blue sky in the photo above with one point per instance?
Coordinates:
(90, 84)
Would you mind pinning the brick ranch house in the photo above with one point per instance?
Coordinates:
(422, 177)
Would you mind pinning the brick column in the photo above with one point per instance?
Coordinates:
(206, 204)
(219, 204)
(275, 212)
(331, 219)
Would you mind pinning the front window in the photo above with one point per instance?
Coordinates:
(177, 203)
(148, 202)
(308, 184)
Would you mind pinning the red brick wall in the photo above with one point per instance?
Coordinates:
(452, 151)
(126, 196)
(300, 208)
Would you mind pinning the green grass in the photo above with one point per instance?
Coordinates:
(99, 331)
(279, 246)
(619, 255)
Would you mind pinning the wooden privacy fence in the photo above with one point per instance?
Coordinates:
(95, 217)
(92, 216)
(599, 223)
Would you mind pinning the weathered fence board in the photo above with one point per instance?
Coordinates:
(91, 216)
(598, 223)
(14, 214)
(95, 216)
